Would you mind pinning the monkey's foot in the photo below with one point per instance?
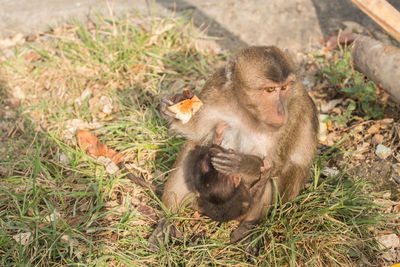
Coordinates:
(161, 235)
(242, 235)
(220, 132)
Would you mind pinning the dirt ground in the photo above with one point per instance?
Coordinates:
(292, 24)
(372, 150)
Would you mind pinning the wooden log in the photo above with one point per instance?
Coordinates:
(379, 62)
(382, 13)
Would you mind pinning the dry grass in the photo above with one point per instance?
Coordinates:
(108, 76)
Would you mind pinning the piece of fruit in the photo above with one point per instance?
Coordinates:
(187, 106)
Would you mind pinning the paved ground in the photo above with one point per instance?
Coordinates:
(293, 24)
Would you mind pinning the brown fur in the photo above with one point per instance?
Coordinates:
(280, 127)
(221, 197)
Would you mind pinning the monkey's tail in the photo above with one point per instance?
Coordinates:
(139, 181)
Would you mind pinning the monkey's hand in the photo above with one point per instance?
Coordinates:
(229, 162)
(161, 234)
(165, 103)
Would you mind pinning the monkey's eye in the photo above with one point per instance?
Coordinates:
(270, 89)
(284, 87)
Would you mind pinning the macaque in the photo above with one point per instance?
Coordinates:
(269, 144)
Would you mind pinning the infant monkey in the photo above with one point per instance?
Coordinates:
(222, 197)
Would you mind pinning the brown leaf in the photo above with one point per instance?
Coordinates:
(114, 237)
(146, 210)
(374, 129)
(73, 221)
(396, 208)
(88, 141)
(342, 38)
(377, 139)
(32, 57)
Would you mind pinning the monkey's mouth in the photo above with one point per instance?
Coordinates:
(276, 125)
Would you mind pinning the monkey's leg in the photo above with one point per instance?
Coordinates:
(261, 193)
(289, 183)
(176, 192)
(220, 132)
(160, 235)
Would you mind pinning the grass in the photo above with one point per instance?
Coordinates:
(72, 212)
(366, 100)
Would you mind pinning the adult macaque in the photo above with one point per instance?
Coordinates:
(272, 136)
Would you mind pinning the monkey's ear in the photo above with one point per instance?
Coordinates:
(291, 57)
(205, 164)
(236, 180)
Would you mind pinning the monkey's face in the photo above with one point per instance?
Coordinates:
(264, 78)
(267, 102)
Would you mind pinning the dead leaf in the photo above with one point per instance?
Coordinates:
(341, 38)
(146, 210)
(374, 129)
(396, 209)
(74, 221)
(88, 141)
(377, 139)
(114, 237)
(32, 57)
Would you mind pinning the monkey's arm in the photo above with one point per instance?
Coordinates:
(249, 167)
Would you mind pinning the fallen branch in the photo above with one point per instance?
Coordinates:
(382, 13)
(379, 62)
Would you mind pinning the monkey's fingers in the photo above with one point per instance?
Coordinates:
(225, 165)
(215, 149)
(228, 156)
(165, 103)
(229, 162)
(223, 161)
(223, 169)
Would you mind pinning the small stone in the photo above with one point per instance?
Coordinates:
(327, 107)
(52, 217)
(329, 172)
(10, 114)
(64, 159)
(18, 93)
(396, 172)
(65, 239)
(85, 94)
(23, 238)
(111, 167)
(388, 241)
(323, 128)
(72, 126)
(383, 152)
(68, 240)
